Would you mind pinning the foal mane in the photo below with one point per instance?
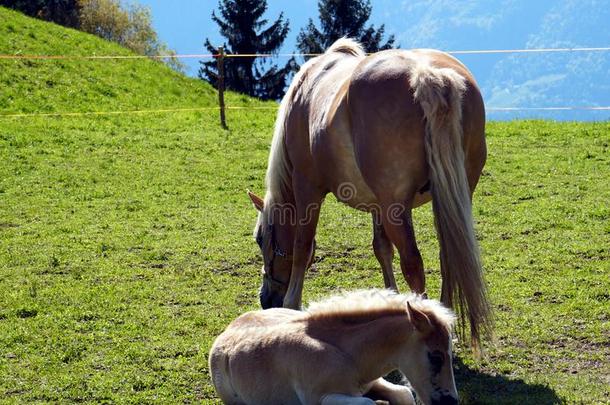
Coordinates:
(366, 305)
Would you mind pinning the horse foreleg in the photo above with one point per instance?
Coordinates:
(308, 213)
(398, 225)
(384, 251)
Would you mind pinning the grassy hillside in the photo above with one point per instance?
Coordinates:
(126, 247)
(31, 85)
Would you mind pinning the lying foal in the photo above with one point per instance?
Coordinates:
(337, 351)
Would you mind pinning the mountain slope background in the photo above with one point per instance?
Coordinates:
(576, 79)
(519, 80)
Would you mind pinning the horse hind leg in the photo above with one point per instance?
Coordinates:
(398, 224)
(384, 251)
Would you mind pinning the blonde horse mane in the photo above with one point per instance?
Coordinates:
(277, 177)
(347, 46)
(374, 303)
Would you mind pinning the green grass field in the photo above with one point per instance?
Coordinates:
(126, 241)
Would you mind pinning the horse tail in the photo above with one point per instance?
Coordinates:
(439, 92)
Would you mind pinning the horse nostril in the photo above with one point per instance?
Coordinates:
(277, 302)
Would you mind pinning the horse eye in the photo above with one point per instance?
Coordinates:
(436, 359)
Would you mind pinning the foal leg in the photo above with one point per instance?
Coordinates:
(384, 251)
(398, 225)
(342, 399)
(394, 394)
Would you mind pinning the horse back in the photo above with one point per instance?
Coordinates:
(388, 127)
(353, 120)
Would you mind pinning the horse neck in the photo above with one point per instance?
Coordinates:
(281, 213)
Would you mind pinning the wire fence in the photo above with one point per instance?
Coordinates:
(221, 55)
(274, 55)
(249, 108)
(127, 112)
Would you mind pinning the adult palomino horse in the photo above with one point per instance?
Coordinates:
(336, 352)
(385, 133)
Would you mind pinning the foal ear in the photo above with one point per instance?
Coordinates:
(256, 200)
(419, 320)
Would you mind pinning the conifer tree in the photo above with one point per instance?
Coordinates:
(241, 22)
(63, 12)
(342, 18)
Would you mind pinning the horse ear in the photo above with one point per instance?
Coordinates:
(419, 320)
(256, 200)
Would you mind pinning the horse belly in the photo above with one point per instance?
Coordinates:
(336, 162)
(347, 184)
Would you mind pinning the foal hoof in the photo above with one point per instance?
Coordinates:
(396, 377)
(424, 295)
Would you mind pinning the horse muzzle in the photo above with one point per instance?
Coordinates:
(273, 301)
(445, 400)
(270, 298)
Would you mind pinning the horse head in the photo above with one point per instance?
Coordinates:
(274, 234)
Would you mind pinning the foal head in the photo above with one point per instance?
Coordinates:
(431, 350)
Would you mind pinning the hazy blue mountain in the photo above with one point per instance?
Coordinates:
(524, 80)
(508, 80)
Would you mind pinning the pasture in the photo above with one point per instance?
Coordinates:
(126, 240)
(127, 247)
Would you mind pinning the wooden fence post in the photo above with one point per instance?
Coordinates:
(221, 85)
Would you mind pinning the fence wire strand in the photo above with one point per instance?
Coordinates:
(258, 108)
(270, 55)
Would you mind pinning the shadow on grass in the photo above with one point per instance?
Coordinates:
(475, 387)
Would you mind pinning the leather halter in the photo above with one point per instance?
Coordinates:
(277, 253)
